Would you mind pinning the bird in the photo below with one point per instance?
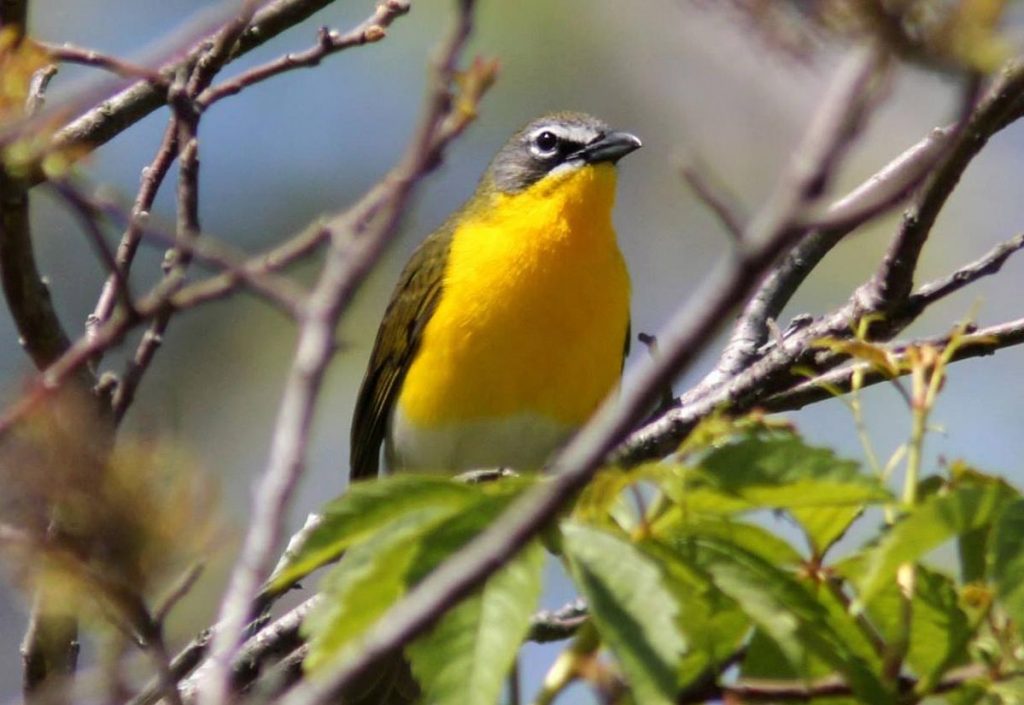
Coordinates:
(509, 324)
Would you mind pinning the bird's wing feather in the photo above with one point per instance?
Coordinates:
(412, 304)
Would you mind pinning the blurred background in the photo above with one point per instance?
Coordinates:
(685, 77)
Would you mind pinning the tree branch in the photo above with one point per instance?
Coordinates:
(370, 30)
(357, 240)
(768, 234)
(978, 343)
(119, 112)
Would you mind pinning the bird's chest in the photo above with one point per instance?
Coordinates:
(526, 341)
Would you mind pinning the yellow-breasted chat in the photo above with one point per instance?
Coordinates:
(509, 324)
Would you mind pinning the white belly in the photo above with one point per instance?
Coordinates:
(522, 442)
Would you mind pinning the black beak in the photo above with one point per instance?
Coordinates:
(609, 148)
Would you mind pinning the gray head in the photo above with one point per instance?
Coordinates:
(554, 143)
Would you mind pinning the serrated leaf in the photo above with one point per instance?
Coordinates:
(675, 527)
(928, 525)
(939, 632)
(371, 577)
(761, 464)
(378, 571)
(365, 508)
(466, 657)
(823, 526)
(788, 612)
(634, 612)
(712, 625)
(1008, 559)
(824, 493)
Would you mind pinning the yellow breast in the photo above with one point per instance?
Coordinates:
(534, 311)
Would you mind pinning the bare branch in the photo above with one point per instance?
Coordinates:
(176, 260)
(276, 290)
(152, 178)
(372, 29)
(70, 54)
(113, 115)
(721, 203)
(358, 239)
(978, 343)
(895, 278)
(986, 265)
(880, 192)
(88, 216)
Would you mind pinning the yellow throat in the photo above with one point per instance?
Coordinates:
(528, 335)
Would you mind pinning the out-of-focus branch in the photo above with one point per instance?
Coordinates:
(88, 216)
(765, 238)
(358, 238)
(50, 647)
(176, 261)
(279, 291)
(714, 196)
(370, 30)
(165, 294)
(113, 115)
(152, 178)
(71, 54)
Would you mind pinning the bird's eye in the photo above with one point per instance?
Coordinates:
(546, 141)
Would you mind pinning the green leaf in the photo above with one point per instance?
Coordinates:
(635, 614)
(928, 525)
(375, 573)
(823, 526)
(357, 591)
(782, 471)
(825, 494)
(466, 657)
(712, 624)
(676, 527)
(939, 630)
(1008, 559)
(796, 620)
(365, 508)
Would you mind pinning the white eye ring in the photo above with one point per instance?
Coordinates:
(544, 144)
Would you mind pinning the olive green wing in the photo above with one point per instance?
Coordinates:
(412, 304)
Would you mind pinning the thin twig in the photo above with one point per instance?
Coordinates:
(88, 216)
(720, 202)
(113, 115)
(979, 343)
(276, 290)
(163, 295)
(370, 30)
(152, 178)
(71, 54)
(37, 89)
(988, 264)
(177, 259)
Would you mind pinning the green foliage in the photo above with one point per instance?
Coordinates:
(466, 656)
(631, 606)
(684, 578)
